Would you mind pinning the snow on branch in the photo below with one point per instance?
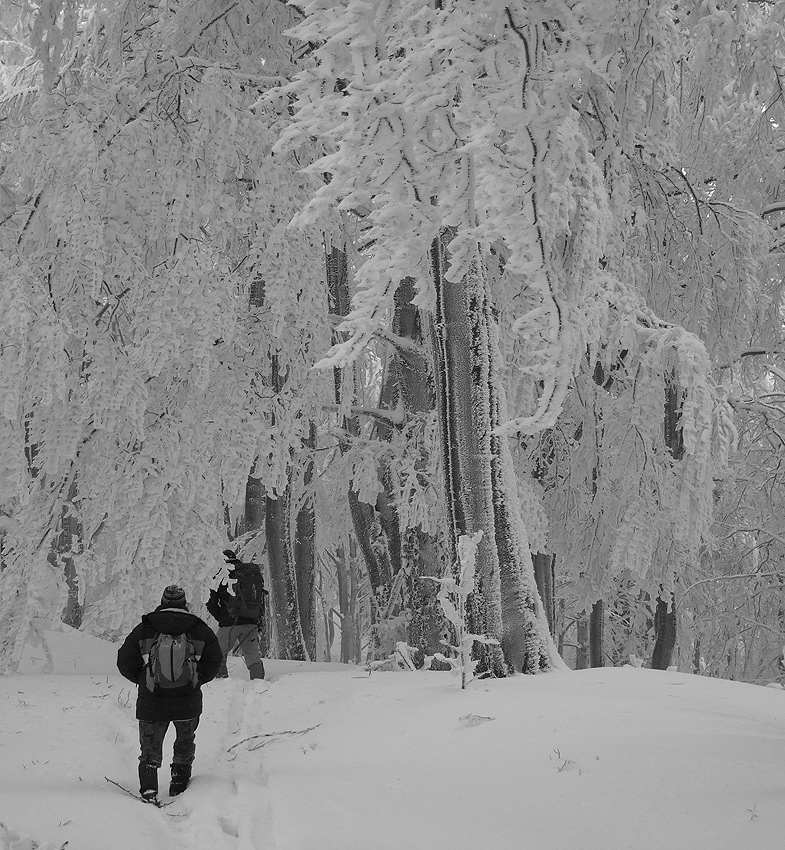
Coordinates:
(407, 348)
(386, 416)
(754, 352)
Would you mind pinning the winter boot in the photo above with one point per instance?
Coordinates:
(148, 780)
(181, 776)
(257, 670)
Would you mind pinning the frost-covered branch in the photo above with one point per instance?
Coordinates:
(726, 578)
(396, 417)
(406, 347)
(754, 352)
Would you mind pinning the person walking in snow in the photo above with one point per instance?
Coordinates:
(239, 613)
(170, 654)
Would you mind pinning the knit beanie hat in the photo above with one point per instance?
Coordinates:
(173, 597)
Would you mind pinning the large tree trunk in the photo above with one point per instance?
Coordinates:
(253, 517)
(420, 555)
(544, 576)
(524, 641)
(67, 542)
(366, 528)
(347, 606)
(409, 383)
(305, 554)
(68, 539)
(426, 627)
(364, 524)
(582, 641)
(480, 490)
(665, 623)
(462, 372)
(524, 621)
(597, 634)
(286, 610)
(665, 630)
(386, 508)
(290, 642)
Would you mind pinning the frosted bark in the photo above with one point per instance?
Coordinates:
(305, 553)
(362, 514)
(526, 639)
(288, 634)
(420, 551)
(665, 615)
(413, 549)
(462, 357)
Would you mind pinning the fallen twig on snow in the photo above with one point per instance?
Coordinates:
(269, 736)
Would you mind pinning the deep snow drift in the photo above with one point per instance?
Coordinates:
(326, 757)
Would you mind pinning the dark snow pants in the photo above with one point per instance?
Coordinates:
(151, 737)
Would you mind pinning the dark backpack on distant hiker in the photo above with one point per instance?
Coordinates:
(171, 666)
(249, 591)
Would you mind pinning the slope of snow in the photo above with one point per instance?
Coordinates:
(326, 756)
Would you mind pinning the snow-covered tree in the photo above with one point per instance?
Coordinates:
(698, 174)
(502, 155)
(142, 204)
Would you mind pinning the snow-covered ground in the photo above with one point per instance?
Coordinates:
(326, 757)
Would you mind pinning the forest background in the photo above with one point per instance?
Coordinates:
(398, 297)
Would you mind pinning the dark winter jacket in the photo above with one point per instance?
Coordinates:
(222, 605)
(131, 663)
